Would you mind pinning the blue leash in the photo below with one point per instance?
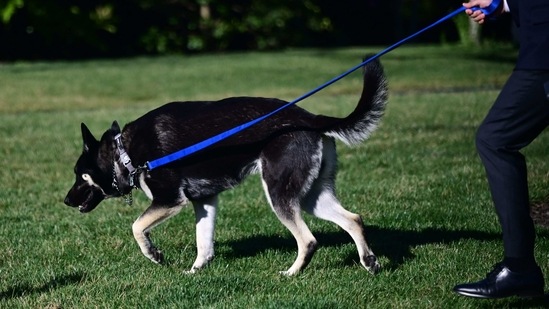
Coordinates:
(217, 138)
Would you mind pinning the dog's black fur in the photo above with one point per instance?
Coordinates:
(293, 150)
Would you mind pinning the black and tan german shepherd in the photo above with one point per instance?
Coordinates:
(293, 150)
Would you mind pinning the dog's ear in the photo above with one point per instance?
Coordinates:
(115, 127)
(88, 138)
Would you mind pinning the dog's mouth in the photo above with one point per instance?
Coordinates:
(86, 208)
(94, 196)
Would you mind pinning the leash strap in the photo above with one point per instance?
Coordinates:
(217, 138)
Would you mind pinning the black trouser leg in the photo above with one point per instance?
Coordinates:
(519, 115)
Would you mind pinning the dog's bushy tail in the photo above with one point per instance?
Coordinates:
(358, 126)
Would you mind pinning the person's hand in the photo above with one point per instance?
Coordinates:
(477, 15)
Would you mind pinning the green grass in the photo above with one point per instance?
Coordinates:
(417, 183)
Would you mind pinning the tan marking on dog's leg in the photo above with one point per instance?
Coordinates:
(328, 207)
(306, 243)
(152, 217)
(205, 211)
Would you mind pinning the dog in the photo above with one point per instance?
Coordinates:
(293, 150)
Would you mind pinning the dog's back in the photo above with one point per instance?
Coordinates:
(178, 125)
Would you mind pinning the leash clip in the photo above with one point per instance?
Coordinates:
(133, 175)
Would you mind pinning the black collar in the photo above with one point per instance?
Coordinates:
(124, 158)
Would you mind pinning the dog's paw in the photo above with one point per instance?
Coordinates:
(156, 256)
(199, 264)
(288, 273)
(191, 271)
(371, 264)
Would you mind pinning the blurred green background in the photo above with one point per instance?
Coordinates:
(61, 29)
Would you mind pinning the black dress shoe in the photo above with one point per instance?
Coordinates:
(502, 282)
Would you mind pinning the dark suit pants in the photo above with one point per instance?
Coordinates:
(518, 116)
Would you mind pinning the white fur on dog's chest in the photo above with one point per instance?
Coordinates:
(144, 187)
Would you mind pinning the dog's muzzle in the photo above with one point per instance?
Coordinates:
(86, 199)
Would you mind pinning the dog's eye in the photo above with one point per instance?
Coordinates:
(87, 178)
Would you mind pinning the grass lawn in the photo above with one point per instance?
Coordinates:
(417, 182)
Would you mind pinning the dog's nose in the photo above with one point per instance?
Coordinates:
(68, 201)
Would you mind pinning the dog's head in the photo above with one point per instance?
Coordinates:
(93, 171)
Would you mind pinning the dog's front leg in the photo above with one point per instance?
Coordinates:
(204, 211)
(153, 216)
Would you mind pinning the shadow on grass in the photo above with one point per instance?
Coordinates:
(23, 289)
(396, 245)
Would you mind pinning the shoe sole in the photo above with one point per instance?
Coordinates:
(527, 295)
(475, 295)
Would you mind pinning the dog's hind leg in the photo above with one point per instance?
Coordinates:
(292, 220)
(204, 211)
(153, 216)
(322, 202)
(288, 168)
(327, 207)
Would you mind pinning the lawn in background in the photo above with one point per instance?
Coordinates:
(417, 182)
